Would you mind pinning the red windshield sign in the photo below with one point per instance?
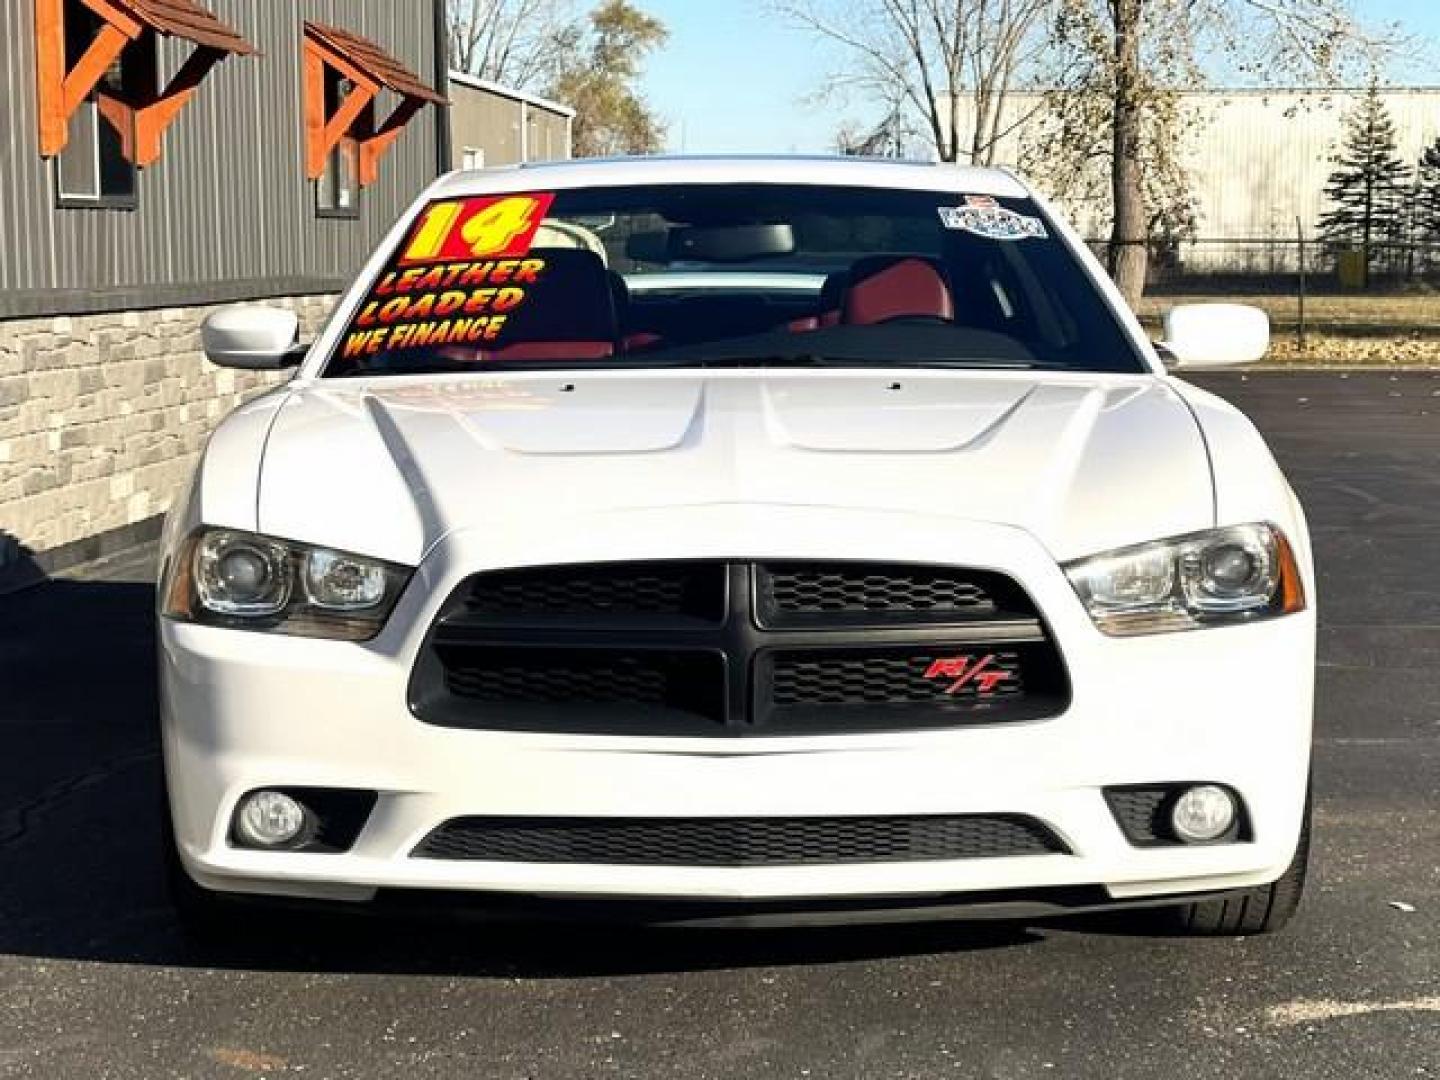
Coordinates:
(501, 227)
(456, 280)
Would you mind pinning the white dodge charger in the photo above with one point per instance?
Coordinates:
(711, 540)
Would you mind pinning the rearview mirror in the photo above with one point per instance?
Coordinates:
(732, 243)
(650, 247)
(711, 243)
(1216, 335)
(252, 337)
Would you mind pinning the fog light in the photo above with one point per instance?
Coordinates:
(1203, 813)
(269, 819)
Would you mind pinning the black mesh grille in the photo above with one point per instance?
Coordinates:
(625, 679)
(1140, 812)
(734, 648)
(801, 593)
(738, 841)
(589, 677)
(802, 679)
(622, 589)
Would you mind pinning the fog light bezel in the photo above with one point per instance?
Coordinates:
(335, 817)
(1154, 827)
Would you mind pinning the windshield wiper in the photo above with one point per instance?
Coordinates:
(642, 363)
(818, 360)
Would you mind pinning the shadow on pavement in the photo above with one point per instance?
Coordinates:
(457, 946)
(18, 568)
(81, 872)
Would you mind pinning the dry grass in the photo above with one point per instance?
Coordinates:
(1341, 331)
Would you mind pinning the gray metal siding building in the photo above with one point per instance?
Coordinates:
(493, 125)
(270, 182)
(227, 211)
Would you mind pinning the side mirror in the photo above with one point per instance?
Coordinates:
(253, 338)
(1215, 335)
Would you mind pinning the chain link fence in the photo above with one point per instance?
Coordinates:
(1284, 265)
(1327, 304)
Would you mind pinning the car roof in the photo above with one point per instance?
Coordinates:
(831, 171)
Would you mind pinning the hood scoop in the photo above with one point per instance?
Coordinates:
(1083, 464)
(591, 416)
(888, 416)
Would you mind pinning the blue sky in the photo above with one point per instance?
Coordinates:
(734, 78)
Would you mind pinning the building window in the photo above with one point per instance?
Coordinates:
(473, 157)
(337, 192)
(93, 170)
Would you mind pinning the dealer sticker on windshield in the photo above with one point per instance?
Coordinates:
(992, 222)
(464, 271)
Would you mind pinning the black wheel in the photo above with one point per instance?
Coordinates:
(1263, 909)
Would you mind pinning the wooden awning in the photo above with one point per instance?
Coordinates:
(369, 69)
(372, 62)
(187, 20)
(140, 118)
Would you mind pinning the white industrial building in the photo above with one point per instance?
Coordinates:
(1257, 161)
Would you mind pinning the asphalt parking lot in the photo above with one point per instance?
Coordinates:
(95, 980)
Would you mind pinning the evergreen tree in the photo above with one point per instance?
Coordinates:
(1369, 192)
(1427, 195)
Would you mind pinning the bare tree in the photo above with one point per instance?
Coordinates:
(929, 54)
(515, 42)
(1067, 146)
(1137, 55)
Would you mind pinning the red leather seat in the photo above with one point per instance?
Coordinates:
(631, 339)
(570, 313)
(901, 288)
(832, 293)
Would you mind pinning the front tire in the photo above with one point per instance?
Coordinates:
(1263, 909)
(204, 917)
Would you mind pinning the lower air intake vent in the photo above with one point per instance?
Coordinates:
(738, 841)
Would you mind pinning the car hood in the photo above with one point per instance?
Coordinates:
(1082, 462)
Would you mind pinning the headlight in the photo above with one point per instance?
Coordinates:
(224, 577)
(1236, 574)
(241, 575)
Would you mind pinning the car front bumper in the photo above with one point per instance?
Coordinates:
(1230, 705)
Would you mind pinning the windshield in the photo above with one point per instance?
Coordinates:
(734, 275)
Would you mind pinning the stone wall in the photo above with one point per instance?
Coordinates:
(102, 416)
